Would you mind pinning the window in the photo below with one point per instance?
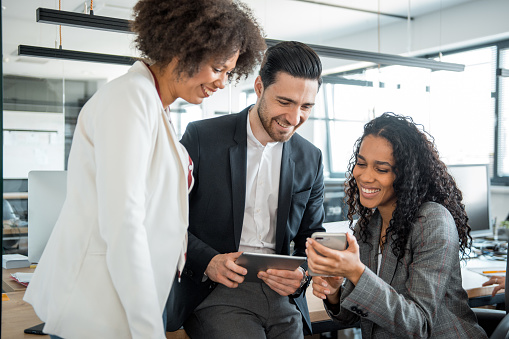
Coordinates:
(502, 172)
(459, 109)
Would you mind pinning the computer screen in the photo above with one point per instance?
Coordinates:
(46, 195)
(474, 184)
(333, 204)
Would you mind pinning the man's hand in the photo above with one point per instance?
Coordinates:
(284, 282)
(222, 269)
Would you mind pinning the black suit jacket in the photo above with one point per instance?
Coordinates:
(218, 148)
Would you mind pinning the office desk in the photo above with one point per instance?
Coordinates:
(472, 282)
(8, 284)
(18, 315)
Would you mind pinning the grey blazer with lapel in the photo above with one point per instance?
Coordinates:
(218, 148)
(420, 296)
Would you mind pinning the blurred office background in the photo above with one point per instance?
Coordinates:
(467, 112)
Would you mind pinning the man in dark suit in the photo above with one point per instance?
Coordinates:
(258, 187)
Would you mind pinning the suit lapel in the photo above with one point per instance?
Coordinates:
(285, 193)
(142, 68)
(369, 254)
(182, 154)
(389, 261)
(180, 149)
(369, 250)
(238, 168)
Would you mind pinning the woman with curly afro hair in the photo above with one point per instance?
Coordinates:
(122, 233)
(400, 275)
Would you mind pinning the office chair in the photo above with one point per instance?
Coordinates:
(496, 322)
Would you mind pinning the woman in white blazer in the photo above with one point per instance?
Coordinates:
(110, 262)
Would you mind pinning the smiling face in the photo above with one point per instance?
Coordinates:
(211, 76)
(282, 107)
(374, 174)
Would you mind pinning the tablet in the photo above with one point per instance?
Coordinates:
(256, 262)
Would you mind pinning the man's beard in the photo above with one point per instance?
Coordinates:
(267, 124)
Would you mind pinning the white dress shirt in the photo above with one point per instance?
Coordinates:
(262, 192)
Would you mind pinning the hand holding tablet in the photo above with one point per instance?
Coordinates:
(256, 262)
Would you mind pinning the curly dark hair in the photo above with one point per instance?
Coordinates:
(420, 177)
(197, 31)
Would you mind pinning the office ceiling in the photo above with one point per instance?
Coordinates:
(315, 22)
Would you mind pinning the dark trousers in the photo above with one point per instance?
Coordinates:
(252, 310)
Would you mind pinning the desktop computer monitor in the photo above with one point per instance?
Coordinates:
(333, 204)
(474, 184)
(46, 195)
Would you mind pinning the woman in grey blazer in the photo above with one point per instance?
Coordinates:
(400, 276)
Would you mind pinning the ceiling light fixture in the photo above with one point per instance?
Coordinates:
(57, 53)
(354, 9)
(50, 16)
(380, 58)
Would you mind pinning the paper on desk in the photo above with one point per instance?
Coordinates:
(489, 271)
(22, 278)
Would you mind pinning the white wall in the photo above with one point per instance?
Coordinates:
(476, 22)
(32, 141)
(499, 203)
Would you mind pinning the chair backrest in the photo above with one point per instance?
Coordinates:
(507, 281)
(502, 330)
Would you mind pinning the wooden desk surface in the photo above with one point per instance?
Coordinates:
(15, 195)
(16, 231)
(315, 305)
(8, 284)
(18, 315)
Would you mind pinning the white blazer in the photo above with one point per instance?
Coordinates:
(110, 262)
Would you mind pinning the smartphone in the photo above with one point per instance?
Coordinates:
(37, 329)
(336, 241)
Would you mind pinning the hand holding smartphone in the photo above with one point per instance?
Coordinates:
(336, 241)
